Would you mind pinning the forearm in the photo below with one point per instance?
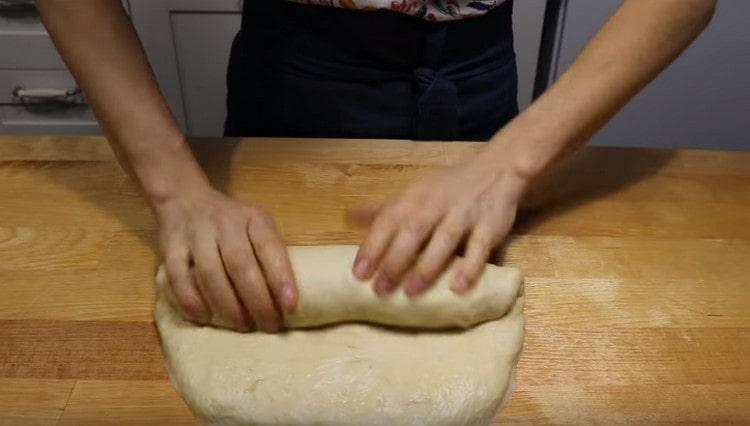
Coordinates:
(638, 42)
(101, 49)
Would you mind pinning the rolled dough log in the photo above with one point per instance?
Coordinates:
(330, 294)
(351, 373)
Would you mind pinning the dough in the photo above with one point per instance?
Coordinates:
(330, 294)
(353, 373)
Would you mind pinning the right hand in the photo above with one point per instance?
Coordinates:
(225, 261)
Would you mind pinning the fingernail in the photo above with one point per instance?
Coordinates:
(460, 284)
(290, 297)
(415, 286)
(361, 268)
(382, 285)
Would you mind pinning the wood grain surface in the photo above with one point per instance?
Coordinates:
(637, 266)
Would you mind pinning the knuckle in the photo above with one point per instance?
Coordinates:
(252, 209)
(248, 277)
(233, 266)
(450, 234)
(266, 248)
(173, 262)
(376, 241)
(213, 215)
(172, 244)
(259, 217)
(416, 226)
(210, 275)
(377, 237)
(395, 210)
(383, 221)
(174, 250)
(483, 237)
(175, 277)
(194, 233)
(465, 214)
(226, 224)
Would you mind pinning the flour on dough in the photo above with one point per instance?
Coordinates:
(350, 373)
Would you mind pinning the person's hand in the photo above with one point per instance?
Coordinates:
(414, 236)
(225, 261)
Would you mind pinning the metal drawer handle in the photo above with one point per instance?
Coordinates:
(73, 96)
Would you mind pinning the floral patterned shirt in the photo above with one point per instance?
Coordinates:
(431, 10)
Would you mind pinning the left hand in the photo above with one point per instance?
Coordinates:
(413, 237)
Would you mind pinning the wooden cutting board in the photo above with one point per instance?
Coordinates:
(637, 266)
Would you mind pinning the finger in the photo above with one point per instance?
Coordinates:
(196, 280)
(483, 238)
(362, 216)
(433, 259)
(403, 251)
(250, 286)
(477, 251)
(374, 245)
(273, 258)
(215, 286)
(184, 288)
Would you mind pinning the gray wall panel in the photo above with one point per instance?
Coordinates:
(701, 101)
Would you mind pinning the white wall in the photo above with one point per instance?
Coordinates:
(700, 101)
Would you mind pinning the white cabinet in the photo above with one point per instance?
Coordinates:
(37, 94)
(188, 44)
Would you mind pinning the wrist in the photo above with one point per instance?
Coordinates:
(167, 189)
(529, 144)
(169, 173)
(508, 157)
(500, 164)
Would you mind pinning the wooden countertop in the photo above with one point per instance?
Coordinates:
(637, 275)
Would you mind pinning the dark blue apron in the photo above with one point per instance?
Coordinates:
(315, 71)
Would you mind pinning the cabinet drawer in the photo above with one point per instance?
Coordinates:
(47, 120)
(28, 51)
(10, 80)
(42, 116)
(19, 16)
(24, 43)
